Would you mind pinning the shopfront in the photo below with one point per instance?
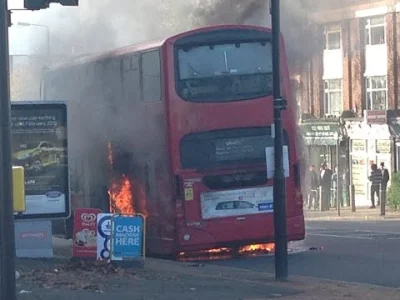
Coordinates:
(324, 142)
(370, 143)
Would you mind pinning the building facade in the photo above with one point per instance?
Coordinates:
(347, 88)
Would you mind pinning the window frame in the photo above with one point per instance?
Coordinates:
(332, 30)
(327, 93)
(211, 99)
(369, 91)
(369, 27)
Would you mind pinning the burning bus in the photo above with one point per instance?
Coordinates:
(178, 130)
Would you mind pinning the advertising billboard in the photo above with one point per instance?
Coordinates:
(39, 144)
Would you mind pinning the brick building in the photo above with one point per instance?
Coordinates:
(346, 84)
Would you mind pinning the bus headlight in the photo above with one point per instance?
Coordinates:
(186, 237)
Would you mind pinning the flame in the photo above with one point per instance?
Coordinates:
(257, 248)
(121, 197)
(110, 155)
(120, 192)
(218, 250)
(226, 253)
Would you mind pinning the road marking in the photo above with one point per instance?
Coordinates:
(340, 236)
(381, 232)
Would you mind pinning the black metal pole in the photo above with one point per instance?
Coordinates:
(7, 235)
(281, 259)
(338, 196)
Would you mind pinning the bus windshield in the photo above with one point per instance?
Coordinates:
(225, 72)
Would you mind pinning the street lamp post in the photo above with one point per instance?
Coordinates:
(281, 256)
(24, 24)
(7, 234)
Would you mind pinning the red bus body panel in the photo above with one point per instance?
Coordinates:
(187, 117)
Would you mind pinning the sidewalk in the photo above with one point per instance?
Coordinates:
(362, 213)
(167, 280)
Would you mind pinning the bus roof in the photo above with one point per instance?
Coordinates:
(143, 46)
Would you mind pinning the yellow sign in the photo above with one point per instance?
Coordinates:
(188, 194)
(358, 145)
(383, 146)
(18, 189)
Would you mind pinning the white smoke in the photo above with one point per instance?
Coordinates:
(98, 25)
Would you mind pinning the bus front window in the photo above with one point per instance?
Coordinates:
(225, 72)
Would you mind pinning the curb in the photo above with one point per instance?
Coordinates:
(354, 218)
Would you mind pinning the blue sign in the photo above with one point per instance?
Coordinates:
(266, 206)
(127, 236)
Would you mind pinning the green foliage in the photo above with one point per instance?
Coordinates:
(394, 192)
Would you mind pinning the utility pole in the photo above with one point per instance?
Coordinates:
(281, 256)
(7, 234)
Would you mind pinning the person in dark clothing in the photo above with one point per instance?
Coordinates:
(385, 176)
(376, 179)
(385, 180)
(326, 182)
(313, 184)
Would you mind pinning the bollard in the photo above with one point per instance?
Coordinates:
(353, 198)
(382, 197)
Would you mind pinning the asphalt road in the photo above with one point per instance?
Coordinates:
(352, 251)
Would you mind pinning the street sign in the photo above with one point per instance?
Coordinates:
(85, 232)
(127, 237)
(103, 236)
(33, 239)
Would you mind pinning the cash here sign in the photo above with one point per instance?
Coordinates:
(127, 237)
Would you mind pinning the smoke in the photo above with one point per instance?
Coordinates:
(101, 25)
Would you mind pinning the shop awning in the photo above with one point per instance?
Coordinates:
(321, 134)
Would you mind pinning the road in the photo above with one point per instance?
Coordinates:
(353, 251)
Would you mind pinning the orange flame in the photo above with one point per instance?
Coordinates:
(250, 249)
(121, 197)
(110, 155)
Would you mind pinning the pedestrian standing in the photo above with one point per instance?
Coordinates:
(326, 183)
(376, 179)
(384, 182)
(313, 184)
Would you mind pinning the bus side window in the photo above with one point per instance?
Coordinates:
(131, 78)
(151, 76)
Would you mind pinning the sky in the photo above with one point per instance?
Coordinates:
(20, 37)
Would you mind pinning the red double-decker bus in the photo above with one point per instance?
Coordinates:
(189, 120)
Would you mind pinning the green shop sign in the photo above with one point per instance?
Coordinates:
(320, 133)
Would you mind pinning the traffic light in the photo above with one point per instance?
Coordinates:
(42, 4)
(36, 4)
